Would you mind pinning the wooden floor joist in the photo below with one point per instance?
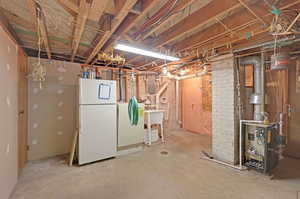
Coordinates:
(189, 24)
(79, 26)
(124, 9)
(180, 6)
(146, 6)
(217, 31)
(252, 12)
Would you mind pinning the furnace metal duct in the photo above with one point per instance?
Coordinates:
(257, 97)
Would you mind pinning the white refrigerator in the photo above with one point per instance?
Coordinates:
(97, 122)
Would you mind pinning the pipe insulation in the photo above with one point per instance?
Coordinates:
(257, 97)
(159, 93)
(197, 74)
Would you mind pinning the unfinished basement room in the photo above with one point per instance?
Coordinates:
(144, 99)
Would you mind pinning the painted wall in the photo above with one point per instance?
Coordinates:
(52, 109)
(224, 121)
(8, 114)
(196, 115)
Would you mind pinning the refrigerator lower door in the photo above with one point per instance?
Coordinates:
(98, 132)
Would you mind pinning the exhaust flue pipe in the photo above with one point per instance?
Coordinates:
(257, 97)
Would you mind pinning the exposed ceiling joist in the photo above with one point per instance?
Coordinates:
(189, 23)
(79, 26)
(252, 12)
(236, 23)
(147, 5)
(225, 26)
(70, 6)
(8, 28)
(97, 9)
(181, 5)
(123, 10)
(33, 9)
(131, 22)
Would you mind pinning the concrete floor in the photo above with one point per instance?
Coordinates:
(181, 174)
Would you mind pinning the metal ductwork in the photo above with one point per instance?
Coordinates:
(257, 98)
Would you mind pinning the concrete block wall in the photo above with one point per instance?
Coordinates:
(224, 131)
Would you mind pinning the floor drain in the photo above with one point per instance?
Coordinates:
(164, 153)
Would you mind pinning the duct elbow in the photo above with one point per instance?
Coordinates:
(253, 60)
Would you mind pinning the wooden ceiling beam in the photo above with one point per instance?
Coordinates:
(242, 41)
(236, 22)
(79, 26)
(69, 6)
(132, 21)
(97, 9)
(9, 29)
(180, 6)
(252, 12)
(196, 20)
(146, 6)
(34, 8)
(123, 10)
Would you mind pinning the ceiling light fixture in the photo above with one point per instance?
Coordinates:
(148, 53)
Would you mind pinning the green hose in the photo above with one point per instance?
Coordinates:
(133, 111)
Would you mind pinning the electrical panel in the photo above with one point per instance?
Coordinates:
(261, 146)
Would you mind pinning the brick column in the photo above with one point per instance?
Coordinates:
(224, 123)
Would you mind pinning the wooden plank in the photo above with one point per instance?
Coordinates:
(123, 11)
(73, 148)
(79, 26)
(22, 110)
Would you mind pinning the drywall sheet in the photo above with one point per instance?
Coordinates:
(52, 109)
(8, 114)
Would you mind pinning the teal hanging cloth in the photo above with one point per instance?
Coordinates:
(133, 111)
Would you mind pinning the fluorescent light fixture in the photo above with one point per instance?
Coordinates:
(140, 51)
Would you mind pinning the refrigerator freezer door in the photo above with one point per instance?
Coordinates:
(98, 132)
(92, 91)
